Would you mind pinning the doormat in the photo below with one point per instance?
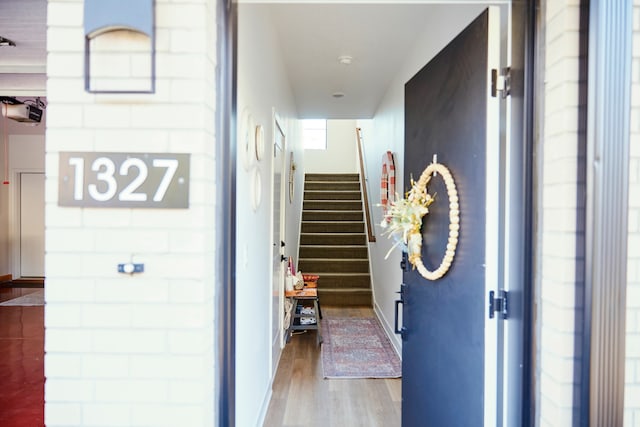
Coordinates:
(36, 298)
(357, 348)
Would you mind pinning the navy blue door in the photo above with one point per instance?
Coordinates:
(445, 343)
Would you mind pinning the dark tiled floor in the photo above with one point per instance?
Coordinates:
(21, 362)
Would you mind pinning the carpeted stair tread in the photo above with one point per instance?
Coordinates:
(344, 205)
(333, 239)
(332, 186)
(331, 215)
(311, 177)
(331, 195)
(324, 265)
(332, 227)
(332, 251)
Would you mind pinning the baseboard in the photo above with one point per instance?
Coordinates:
(5, 278)
(265, 407)
(395, 341)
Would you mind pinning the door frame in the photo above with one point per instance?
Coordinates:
(15, 220)
(527, 39)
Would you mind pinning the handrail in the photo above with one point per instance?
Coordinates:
(363, 180)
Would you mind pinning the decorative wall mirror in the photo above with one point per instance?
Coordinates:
(292, 174)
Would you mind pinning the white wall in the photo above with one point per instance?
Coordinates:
(340, 155)
(133, 350)
(386, 132)
(262, 87)
(25, 146)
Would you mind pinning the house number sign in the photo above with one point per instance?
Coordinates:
(124, 180)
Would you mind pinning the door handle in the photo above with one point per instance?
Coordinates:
(397, 330)
(283, 258)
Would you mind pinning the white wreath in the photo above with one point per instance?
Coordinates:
(454, 224)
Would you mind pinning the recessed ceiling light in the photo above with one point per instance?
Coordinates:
(6, 42)
(338, 94)
(345, 59)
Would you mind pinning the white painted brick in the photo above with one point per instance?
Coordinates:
(64, 12)
(562, 245)
(106, 218)
(68, 341)
(66, 289)
(186, 392)
(69, 390)
(104, 415)
(181, 16)
(186, 291)
(563, 319)
(633, 345)
(634, 245)
(167, 416)
(148, 241)
(172, 316)
(65, 40)
(560, 393)
(105, 366)
(167, 367)
(107, 116)
(188, 90)
(188, 41)
(176, 267)
(69, 140)
(64, 116)
(129, 341)
(169, 116)
(63, 316)
(145, 141)
(132, 391)
(68, 68)
(186, 342)
(632, 396)
(62, 414)
(633, 297)
(182, 66)
(69, 240)
(106, 316)
(134, 289)
(63, 366)
(186, 241)
(195, 218)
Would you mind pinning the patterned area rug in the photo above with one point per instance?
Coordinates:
(36, 298)
(357, 348)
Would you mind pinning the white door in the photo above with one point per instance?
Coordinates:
(31, 224)
(278, 239)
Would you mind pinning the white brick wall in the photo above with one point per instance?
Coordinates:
(132, 350)
(632, 367)
(559, 284)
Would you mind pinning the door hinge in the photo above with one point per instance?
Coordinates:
(499, 304)
(501, 82)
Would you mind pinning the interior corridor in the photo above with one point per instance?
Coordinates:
(21, 361)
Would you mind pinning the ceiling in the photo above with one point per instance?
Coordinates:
(312, 36)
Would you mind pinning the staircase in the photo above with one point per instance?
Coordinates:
(333, 241)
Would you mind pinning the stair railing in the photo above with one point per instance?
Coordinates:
(363, 180)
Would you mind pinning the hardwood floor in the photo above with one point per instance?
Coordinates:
(302, 397)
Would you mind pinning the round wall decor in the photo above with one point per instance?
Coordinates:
(259, 142)
(387, 182)
(246, 139)
(292, 174)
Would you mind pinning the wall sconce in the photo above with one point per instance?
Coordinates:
(119, 46)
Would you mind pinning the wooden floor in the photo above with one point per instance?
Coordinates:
(302, 397)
